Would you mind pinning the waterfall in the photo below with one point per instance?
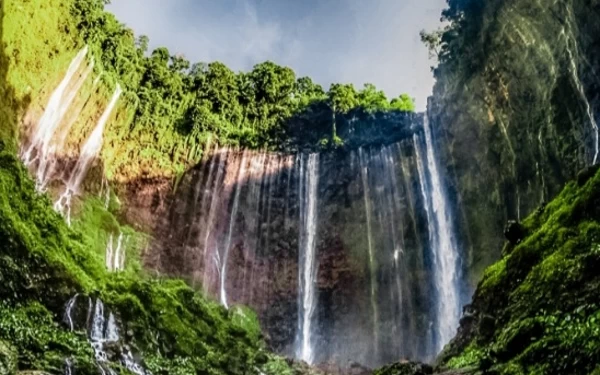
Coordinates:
(578, 83)
(115, 257)
(105, 191)
(102, 331)
(88, 154)
(68, 367)
(245, 224)
(307, 257)
(372, 264)
(112, 332)
(97, 331)
(41, 148)
(232, 218)
(442, 242)
(68, 317)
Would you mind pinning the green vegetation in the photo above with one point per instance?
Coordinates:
(177, 107)
(508, 107)
(536, 311)
(43, 263)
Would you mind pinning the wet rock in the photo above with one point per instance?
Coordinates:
(514, 232)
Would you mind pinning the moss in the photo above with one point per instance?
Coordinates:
(43, 263)
(543, 294)
(470, 357)
(494, 274)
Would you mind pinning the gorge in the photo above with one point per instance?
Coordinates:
(209, 219)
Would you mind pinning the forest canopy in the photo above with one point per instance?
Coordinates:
(261, 108)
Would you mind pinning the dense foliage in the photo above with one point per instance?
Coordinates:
(536, 311)
(179, 106)
(43, 263)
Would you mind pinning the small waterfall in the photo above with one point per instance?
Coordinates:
(68, 367)
(372, 264)
(578, 84)
(88, 154)
(102, 331)
(97, 331)
(105, 192)
(112, 332)
(68, 317)
(442, 242)
(100, 334)
(115, 257)
(236, 203)
(307, 261)
(41, 148)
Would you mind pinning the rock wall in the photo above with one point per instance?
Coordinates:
(516, 108)
(374, 275)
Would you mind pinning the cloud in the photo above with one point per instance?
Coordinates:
(357, 41)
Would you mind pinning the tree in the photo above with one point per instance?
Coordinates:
(307, 91)
(342, 98)
(433, 41)
(403, 103)
(372, 99)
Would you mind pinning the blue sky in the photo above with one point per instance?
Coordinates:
(349, 41)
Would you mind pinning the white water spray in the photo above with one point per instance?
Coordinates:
(234, 210)
(88, 154)
(115, 257)
(41, 148)
(68, 318)
(364, 174)
(441, 235)
(580, 88)
(307, 262)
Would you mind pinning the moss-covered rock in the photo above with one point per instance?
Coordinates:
(536, 311)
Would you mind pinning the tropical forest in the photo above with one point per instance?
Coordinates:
(163, 216)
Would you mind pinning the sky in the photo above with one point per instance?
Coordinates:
(345, 41)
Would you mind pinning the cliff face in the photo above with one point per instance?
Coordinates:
(234, 225)
(515, 106)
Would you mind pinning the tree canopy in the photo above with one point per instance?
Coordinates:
(182, 104)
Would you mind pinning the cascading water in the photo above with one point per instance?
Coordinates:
(307, 257)
(442, 242)
(68, 317)
(89, 152)
(245, 224)
(103, 335)
(234, 210)
(569, 36)
(115, 257)
(41, 149)
(372, 265)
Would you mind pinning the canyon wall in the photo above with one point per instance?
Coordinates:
(234, 226)
(515, 106)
